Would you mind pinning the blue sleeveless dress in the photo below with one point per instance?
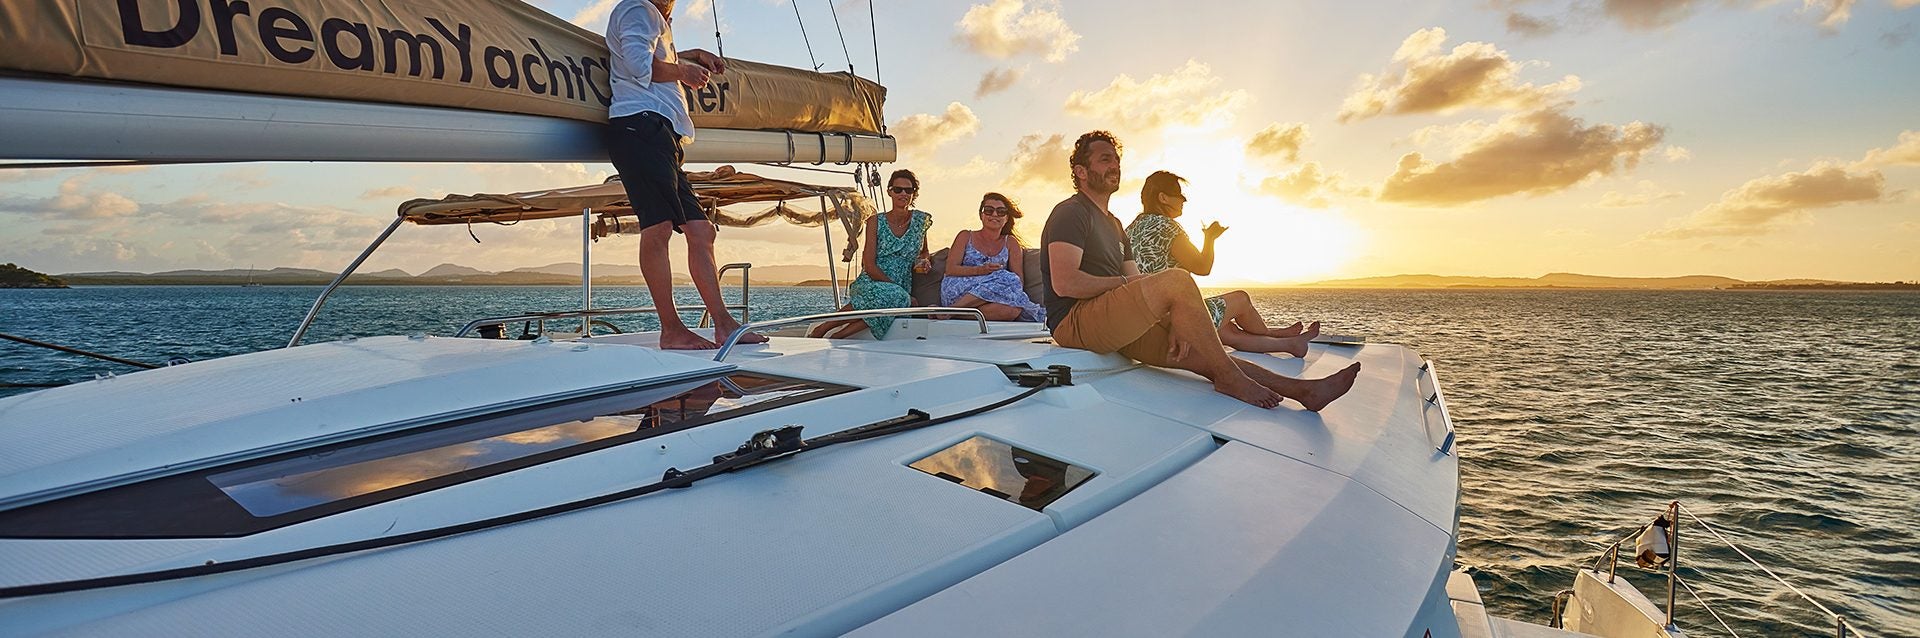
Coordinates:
(1000, 286)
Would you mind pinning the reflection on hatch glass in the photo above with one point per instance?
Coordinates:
(303, 482)
(1005, 471)
(267, 493)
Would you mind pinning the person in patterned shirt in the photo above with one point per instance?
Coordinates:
(1159, 243)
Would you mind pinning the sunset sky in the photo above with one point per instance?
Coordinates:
(1757, 140)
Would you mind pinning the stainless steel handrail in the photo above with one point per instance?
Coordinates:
(734, 339)
(543, 317)
(746, 293)
(1439, 399)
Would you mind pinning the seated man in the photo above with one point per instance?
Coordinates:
(1097, 299)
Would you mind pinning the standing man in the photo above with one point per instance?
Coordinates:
(1098, 300)
(648, 125)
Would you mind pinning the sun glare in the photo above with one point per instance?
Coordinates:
(1268, 241)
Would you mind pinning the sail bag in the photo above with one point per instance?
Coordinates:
(489, 55)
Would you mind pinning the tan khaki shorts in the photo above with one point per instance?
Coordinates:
(1118, 321)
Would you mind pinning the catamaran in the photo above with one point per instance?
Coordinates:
(959, 477)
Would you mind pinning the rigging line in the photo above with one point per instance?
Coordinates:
(875, 30)
(803, 33)
(1743, 554)
(717, 42)
(1703, 605)
(843, 36)
(805, 168)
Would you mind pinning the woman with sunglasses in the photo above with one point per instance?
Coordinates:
(984, 266)
(896, 248)
(1160, 243)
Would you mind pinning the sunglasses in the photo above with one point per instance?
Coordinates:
(996, 211)
(898, 190)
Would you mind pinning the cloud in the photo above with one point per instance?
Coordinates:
(923, 132)
(1893, 38)
(1423, 79)
(73, 201)
(395, 193)
(1905, 152)
(1646, 194)
(1767, 204)
(1001, 29)
(1648, 14)
(1831, 13)
(1527, 26)
(1183, 97)
(1532, 153)
(1311, 186)
(1040, 160)
(977, 166)
(1675, 154)
(998, 79)
(594, 15)
(1279, 140)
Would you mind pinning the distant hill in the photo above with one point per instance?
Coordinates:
(390, 272)
(12, 276)
(452, 270)
(1553, 280)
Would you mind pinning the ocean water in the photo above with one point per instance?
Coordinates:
(1790, 421)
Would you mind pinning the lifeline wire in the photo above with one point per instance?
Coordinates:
(1776, 577)
(1703, 605)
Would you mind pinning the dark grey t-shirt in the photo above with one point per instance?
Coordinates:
(1103, 245)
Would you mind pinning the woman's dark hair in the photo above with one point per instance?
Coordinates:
(906, 175)
(1083, 151)
(1159, 183)
(1013, 211)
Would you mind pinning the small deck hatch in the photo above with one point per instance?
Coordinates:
(1004, 471)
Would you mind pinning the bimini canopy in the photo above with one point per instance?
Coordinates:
(724, 192)
(374, 80)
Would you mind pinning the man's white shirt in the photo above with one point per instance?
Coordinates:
(637, 35)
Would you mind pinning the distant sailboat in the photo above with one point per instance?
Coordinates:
(250, 282)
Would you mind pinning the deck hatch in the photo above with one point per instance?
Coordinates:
(1004, 471)
(267, 493)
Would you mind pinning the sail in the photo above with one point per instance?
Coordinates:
(490, 55)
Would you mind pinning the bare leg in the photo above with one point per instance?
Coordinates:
(1000, 312)
(1316, 394)
(968, 301)
(1234, 337)
(823, 328)
(1172, 294)
(704, 269)
(654, 267)
(848, 329)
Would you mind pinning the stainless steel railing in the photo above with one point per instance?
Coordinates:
(1438, 399)
(734, 339)
(746, 298)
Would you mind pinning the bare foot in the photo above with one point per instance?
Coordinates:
(1317, 395)
(684, 339)
(1288, 331)
(1312, 330)
(1239, 386)
(722, 331)
(1296, 345)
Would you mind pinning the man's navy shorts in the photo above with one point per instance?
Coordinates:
(647, 153)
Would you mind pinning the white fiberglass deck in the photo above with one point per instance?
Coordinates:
(1206, 516)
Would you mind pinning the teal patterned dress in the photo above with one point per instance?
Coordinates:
(1152, 236)
(895, 256)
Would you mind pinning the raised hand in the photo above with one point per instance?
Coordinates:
(1213, 230)
(693, 75)
(708, 61)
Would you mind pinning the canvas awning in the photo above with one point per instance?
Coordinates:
(487, 55)
(722, 191)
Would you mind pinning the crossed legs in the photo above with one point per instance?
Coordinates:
(1196, 347)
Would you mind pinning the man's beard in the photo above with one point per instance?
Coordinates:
(1104, 184)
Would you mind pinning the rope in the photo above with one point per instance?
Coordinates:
(77, 351)
(843, 36)
(803, 34)
(1703, 605)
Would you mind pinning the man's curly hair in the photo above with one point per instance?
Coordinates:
(1083, 148)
